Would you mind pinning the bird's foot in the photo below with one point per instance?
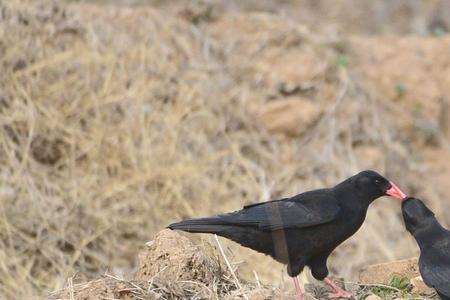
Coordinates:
(299, 297)
(337, 291)
(340, 294)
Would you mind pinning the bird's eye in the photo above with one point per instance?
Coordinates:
(377, 181)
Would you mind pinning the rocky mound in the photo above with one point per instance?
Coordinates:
(172, 267)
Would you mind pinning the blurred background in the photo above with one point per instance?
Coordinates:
(120, 117)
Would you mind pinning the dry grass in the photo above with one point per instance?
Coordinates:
(115, 122)
(172, 267)
(378, 17)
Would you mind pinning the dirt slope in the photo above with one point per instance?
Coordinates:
(116, 121)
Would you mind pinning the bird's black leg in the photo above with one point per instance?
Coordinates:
(318, 266)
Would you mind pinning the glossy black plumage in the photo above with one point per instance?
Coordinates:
(434, 243)
(302, 230)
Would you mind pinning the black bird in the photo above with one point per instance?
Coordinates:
(302, 230)
(434, 243)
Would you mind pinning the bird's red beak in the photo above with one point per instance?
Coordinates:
(395, 192)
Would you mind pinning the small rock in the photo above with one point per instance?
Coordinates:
(419, 286)
(290, 117)
(383, 273)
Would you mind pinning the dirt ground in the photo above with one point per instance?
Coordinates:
(116, 120)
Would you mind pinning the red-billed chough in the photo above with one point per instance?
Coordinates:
(434, 243)
(302, 230)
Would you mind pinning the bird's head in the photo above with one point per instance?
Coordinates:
(416, 214)
(375, 185)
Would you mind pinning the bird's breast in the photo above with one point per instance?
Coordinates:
(326, 237)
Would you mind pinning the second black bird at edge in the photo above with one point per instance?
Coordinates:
(304, 229)
(434, 244)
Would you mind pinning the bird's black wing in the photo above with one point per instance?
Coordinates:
(304, 210)
(435, 267)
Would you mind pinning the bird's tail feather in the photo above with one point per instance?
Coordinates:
(246, 236)
(202, 225)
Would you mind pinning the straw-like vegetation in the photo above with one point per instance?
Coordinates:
(115, 121)
(172, 267)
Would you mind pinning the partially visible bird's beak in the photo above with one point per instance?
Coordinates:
(395, 192)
